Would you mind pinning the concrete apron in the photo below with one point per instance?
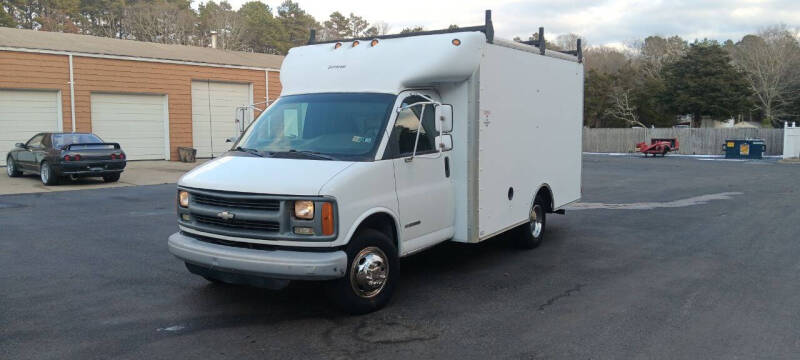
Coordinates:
(142, 172)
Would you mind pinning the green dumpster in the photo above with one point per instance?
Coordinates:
(744, 149)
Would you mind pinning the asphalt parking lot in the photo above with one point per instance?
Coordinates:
(663, 258)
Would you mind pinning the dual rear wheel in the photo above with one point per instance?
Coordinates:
(531, 235)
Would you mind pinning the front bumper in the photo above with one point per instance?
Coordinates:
(277, 264)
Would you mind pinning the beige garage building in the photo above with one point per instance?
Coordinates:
(151, 98)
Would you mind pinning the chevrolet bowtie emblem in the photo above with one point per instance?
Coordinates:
(226, 215)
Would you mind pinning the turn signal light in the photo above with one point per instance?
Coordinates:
(113, 156)
(67, 158)
(327, 218)
(77, 158)
(122, 156)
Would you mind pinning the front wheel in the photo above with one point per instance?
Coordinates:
(372, 273)
(46, 174)
(531, 234)
(11, 168)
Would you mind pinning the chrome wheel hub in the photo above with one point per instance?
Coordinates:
(45, 173)
(369, 272)
(10, 168)
(536, 221)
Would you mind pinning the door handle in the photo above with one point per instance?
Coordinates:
(446, 166)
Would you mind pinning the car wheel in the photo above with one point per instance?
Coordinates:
(11, 168)
(530, 235)
(111, 177)
(372, 273)
(47, 175)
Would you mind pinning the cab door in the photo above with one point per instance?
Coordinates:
(423, 183)
(26, 159)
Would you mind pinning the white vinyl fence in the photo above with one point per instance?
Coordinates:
(791, 141)
(703, 141)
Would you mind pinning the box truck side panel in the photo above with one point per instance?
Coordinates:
(530, 121)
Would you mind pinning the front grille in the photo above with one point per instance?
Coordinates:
(231, 202)
(271, 226)
(248, 216)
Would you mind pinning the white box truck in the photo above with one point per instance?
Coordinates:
(380, 148)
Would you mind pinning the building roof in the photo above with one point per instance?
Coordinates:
(55, 41)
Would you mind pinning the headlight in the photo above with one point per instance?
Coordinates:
(183, 198)
(304, 209)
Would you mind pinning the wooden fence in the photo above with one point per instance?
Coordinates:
(704, 141)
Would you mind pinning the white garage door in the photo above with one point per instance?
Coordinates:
(24, 113)
(214, 114)
(137, 122)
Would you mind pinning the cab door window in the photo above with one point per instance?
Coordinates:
(406, 127)
(35, 142)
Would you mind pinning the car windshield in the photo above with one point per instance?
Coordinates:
(320, 126)
(59, 140)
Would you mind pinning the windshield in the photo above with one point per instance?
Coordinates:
(338, 126)
(59, 140)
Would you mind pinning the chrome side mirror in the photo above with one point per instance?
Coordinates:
(20, 145)
(444, 118)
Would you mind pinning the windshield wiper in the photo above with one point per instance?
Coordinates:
(249, 151)
(311, 154)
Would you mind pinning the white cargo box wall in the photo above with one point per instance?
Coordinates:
(522, 129)
(530, 120)
(517, 114)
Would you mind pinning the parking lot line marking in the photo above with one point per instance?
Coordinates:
(172, 328)
(697, 200)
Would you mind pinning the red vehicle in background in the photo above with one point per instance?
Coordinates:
(658, 146)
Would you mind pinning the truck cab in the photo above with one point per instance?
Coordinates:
(370, 154)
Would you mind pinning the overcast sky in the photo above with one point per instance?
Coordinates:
(601, 22)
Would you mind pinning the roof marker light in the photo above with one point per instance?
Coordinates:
(456, 42)
(374, 42)
(355, 43)
(338, 45)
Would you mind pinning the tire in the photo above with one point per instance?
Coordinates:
(664, 152)
(111, 177)
(531, 235)
(11, 168)
(368, 250)
(46, 174)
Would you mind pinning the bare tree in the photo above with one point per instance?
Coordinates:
(605, 60)
(220, 18)
(622, 107)
(770, 61)
(382, 27)
(160, 22)
(655, 51)
(569, 42)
